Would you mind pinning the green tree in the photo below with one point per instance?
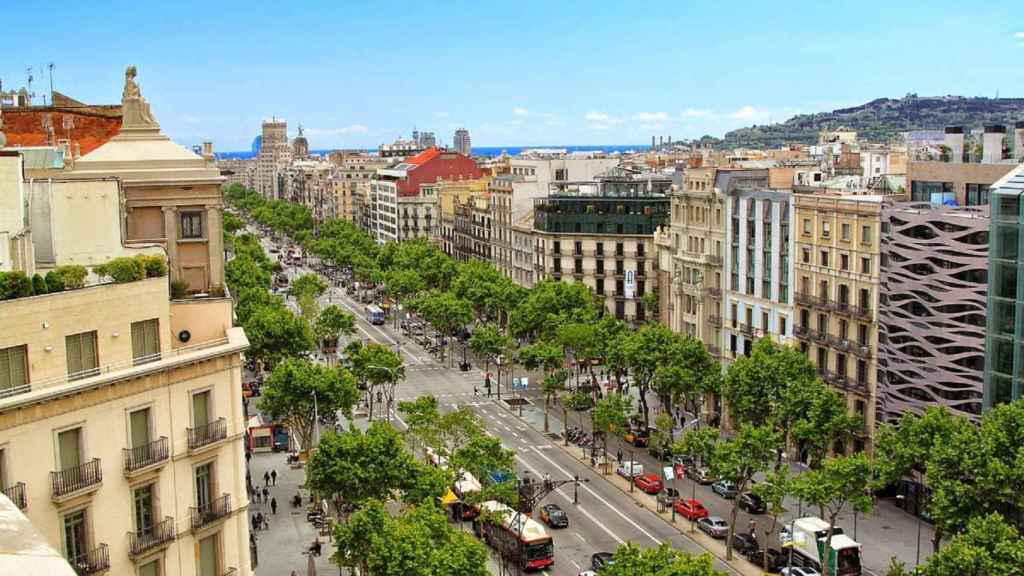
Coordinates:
(478, 282)
(488, 342)
(553, 385)
(738, 459)
(754, 385)
(296, 386)
(773, 490)
(332, 323)
(444, 433)
(838, 483)
(306, 290)
(403, 284)
(447, 313)
(988, 546)
(611, 416)
(275, 333)
(631, 560)
(357, 466)
(378, 369)
(645, 350)
(822, 421)
(417, 542)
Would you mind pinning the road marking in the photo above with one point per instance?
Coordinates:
(577, 507)
(580, 536)
(600, 499)
(578, 567)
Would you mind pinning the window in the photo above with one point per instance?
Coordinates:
(577, 248)
(764, 322)
(639, 249)
(620, 309)
(13, 368)
(600, 249)
(620, 267)
(201, 409)
(618, 249)
(805, 253)
(82, 356)
(556, 247)
(556, 265)
(145, 341)
(865, 265)
(782, 325)
(807, 226)
(865, 234)
(209, 564)
(977, 194)
(844, 262)
(191, 224)
(600, 266)
(578, 266)
(845, 232)
(640, 288)
(599, 286)
(150, 569)
(640, 266)
(204, 485)
(144, 515)
(139, 427)
(76, 543)
(824, 258)
(826, 229)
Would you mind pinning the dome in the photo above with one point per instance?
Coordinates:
(300, 146)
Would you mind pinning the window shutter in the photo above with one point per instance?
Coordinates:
(138, 340)
(90, 361)
(18, 360)
(74, 351)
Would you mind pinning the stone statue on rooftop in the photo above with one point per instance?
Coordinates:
(134, 108)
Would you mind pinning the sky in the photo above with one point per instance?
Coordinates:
(356, 74)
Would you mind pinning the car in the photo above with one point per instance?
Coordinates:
(746, 545)
(691, 509)
(700, 474)
(274, 250)
(725, 489)
(752, 503)
(554, 516)
(623, 469)
(714, 526)
(649, 483)
(799, 571)
(684, 460)
(587, 573)
(785, 535)
(600, 560)
(639, 438)
(662, 452)
(668, 496)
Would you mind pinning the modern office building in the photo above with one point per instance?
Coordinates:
(932, 306)
(965, 169)
(601, 233)
(275, 154)
(758, 297)
(837, 277)
(1004, 353)
(461, 142)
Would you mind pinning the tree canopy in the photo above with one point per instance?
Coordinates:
(289, 393)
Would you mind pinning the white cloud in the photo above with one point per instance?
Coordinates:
(697, 113)
(520, 111)
(745, 113)
(440, 114)
(1019, 35)
(190, 119)
(601, 118)
(350, 129)
(650, 116)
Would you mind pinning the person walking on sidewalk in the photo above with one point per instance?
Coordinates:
(618, 455)
(273, 477)
(273, 505)
(266, 494)
(266, 479)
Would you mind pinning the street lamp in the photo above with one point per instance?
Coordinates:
(902, 498)
(316, 421)
(394, 379)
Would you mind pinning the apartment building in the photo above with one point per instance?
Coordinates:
(758, 298)
(601, 233)
(691, 251)
(350, 181)
(837, 280)
(967, 166)
(452, 194)
(524, 265)
(308, 182)
(274, 155)
(404, 197)
(121, 424)
(241, 171)
(502, 195)
(1003, 335)
(932, 306)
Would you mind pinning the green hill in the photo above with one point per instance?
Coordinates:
(879, 119)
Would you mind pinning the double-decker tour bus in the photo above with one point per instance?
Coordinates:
(516, 536)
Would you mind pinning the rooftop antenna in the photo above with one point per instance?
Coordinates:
(49, 67)
(28, 72)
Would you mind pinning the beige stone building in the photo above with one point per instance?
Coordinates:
(690, 255)
(452, 194)
(121, 422)
(275, 154)
(502, 191)
(350, 181)
(837, 271)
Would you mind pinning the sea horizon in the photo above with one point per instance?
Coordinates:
(486, 151)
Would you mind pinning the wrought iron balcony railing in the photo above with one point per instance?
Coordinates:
(64, 482)
(145, 455)
(152, 537)
(215, 510)
(207, 434)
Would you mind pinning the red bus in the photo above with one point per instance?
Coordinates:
(516, 535)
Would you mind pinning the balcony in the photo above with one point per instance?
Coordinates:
(74, 481)
(806, 299)
(207, 434)
(714, 350)
(862, 312)
(714, 260)
(96, 561)
(715, 320)
(143, 458)
(153, 538)
(230, 572)
(862, 351)
(218, 509)
(841, 344)
(819, 336)
(16, 494)
(747, 329)
(823, 303)
(801, 332)
(715, 293)
(842, 308)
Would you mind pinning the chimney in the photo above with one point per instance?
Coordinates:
(955, 143)
(992, 144)
(1018, 140)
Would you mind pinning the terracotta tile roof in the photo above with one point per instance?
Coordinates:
(423, 157)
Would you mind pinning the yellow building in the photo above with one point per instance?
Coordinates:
(121, 419)
(451, 194)
(837, 268)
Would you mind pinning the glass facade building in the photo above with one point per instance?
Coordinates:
(1004, 346)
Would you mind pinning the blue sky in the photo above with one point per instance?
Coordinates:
(357, 74)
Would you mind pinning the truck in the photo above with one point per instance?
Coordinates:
(807, 544)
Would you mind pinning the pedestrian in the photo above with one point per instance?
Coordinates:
(248, 456)
(255, 525)
(273, 505)
(259, 520)
(273, 476)
(618, 455)
(266, 494)
(266, 478)
(752, 526)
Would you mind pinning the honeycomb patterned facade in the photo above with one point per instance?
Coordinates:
(934, 284)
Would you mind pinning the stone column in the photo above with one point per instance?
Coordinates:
(171, 237)
(215, 245)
